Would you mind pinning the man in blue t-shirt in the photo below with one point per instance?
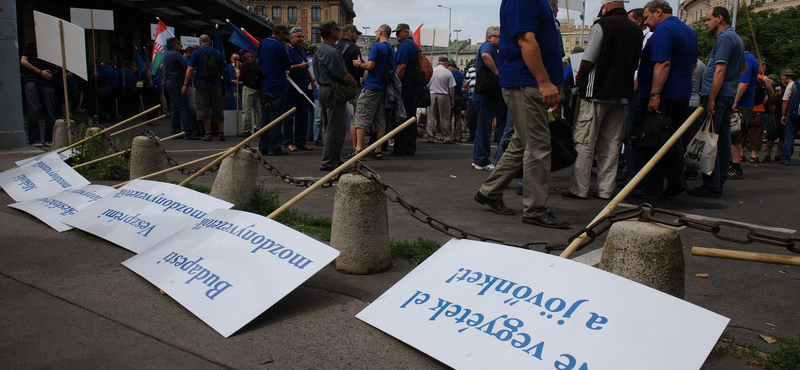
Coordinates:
(405, 143)
(665, 84)
(208, 86)
(273, 58)
(459, 103)
(717, 93)
(530, 83)
(490, 108)
(294, 128)
(107, 79)
(175, 69)
(370, 106)
(743, 104)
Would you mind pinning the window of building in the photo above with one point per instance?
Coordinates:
(291, 14)
(316, 13)
(261, 10)
(276, 13)
(315, 36)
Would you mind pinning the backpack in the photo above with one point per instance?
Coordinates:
(760, 92)
(424, 70)
(794, 102)
(210, 67)
(387, 78)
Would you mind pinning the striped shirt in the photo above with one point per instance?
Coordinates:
(328, 62)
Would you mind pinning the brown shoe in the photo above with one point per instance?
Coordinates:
(305, 147)
(291, 148)
(569, 194)
(450, 142)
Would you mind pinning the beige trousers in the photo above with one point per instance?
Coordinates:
(598, 131)
(439, 115)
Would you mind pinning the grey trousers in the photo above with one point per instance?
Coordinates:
(439, 115)
(529, 149)
(333, 122)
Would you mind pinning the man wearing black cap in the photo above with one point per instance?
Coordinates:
(351, 51)
(405, 143)
(330, 69)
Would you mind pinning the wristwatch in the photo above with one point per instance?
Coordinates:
(652, 93)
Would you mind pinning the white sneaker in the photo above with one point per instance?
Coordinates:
(488, 167)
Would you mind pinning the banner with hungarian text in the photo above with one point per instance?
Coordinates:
(231, 266)
(42, 177)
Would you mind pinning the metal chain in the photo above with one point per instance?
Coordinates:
(289, 179)
(393, 196)
(647, 213)
(172, 162)
(111, 142)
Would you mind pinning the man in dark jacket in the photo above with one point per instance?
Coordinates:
(605, 80)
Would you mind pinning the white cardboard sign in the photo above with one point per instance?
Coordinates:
(433, 37)
(67, 154)
(231, 266)
(52, 210)
(154, 29)
(476, 305)
(143, 213)
(82, 17)
(187, 41)
(39, 178)
(48, 43)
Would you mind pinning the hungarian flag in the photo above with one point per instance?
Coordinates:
(417, 35)
(252, 39)
(159, 47)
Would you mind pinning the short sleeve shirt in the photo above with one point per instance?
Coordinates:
(352, 53)
(274, 61)
(106, 76)
(407, 54)
(750, 76)
(535, 16)
(297, 54)
(675, 42)
(382, 55)
(459, 77)
(175, 69)
(485, 48)
(727, 49)
(196, 62)
(328, 63)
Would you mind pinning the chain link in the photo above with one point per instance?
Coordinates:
(393, 196)
(110, 142)
(289, 179)
(172, 162)
(738, 233)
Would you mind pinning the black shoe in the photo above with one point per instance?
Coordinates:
(207, 138)
(519, 190)
(546, 220)
(326, 168)
(703, 192)
(497, 206)
(351, 155)
(673, 191)
(221, 137)
(192, 137)
(569, 194)
(282, 152)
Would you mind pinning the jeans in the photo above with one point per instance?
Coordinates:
(294, 128)
(179, 112)
(310, 120)
(722, 126)
(40, 97)
(487, 110)
(318, 130)
(507, 133)
(472, 117)
(273, 105)
(790, 133)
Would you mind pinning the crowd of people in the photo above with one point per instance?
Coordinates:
(637, 63)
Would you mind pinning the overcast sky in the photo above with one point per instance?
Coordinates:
(470, 16)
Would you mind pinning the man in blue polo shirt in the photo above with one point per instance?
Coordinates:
(459, 103)
(489, 107)
(665, 84)
(107, 78)
(405, 143)
(294, 128)
(717, 92)
(273, 58)
(530, 73)
(744, 104)
(175, 69)
(208, 85)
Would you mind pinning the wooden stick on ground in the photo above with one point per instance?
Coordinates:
(747, 256)
(337, 170)
(108, 129)
(137, 125)
(237, 147)
(120, 153)
(636, 179)
(168, 170)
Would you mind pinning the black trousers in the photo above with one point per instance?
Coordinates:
(671, 166)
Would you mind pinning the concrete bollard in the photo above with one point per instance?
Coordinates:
(236, 179)
(146, 159)
(646, 253)
(60, 134)
(98, 143)
(360, 228)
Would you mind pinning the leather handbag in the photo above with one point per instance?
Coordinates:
(487, 83)
(650, 132)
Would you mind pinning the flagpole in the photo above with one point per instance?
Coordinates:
(64, 79)
(94, 60)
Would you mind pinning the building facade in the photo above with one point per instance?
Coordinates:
(696, 10)
(306, 14)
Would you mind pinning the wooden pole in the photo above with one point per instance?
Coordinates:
(121, 153)
(64, 79)
(137, 125)
(94, 60)
(636, 179)
(755, 43)
(339, 169)
(569, 30)
(108, 129)
(778, 259)
(158, 173)
(235, 148)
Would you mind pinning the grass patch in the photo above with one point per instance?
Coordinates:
(265, 201)
(786, 357)
(197, 188)
(414, 251)
(110, 169)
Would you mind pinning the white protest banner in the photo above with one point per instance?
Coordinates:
(475, 305)
(52, 210)
(433, 37)
(67, 154)
(231, 266)
(187, 41)
(103, 19)
(40, 178)
(575, 61)
(48, 43)
(143, 213)
(154, 27)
